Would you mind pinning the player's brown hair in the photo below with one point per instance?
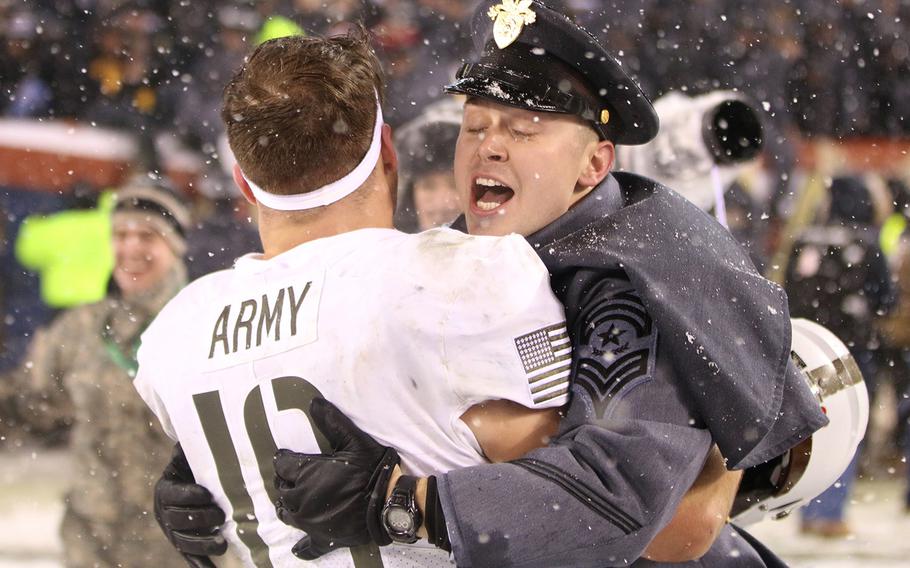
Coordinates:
(300, 113)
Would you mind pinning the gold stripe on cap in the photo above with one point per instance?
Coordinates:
(604, 116)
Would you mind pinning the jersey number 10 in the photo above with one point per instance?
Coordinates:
(291, 393)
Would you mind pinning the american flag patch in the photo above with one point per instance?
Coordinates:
(547, 358)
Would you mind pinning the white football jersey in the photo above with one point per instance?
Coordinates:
(402, 332)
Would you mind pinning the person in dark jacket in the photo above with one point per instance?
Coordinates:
(839, 277)
(427, 197)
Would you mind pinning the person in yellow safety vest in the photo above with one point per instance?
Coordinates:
(71, 251)
(278, 26)
(896, 224)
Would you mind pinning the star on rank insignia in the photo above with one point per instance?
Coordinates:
(509, 18)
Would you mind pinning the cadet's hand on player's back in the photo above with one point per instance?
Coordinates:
(187, 513)
(335, 498)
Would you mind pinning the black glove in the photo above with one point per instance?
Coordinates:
(187, 513)
(337, 498)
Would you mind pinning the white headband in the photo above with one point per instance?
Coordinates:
(332, 192)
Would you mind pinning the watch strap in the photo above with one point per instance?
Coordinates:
(435, 518)
(406, 484)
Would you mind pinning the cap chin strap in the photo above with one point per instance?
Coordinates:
(332, 192)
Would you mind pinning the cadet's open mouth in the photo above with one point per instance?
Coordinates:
(489, 194)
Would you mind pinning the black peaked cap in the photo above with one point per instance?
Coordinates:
(553, 65)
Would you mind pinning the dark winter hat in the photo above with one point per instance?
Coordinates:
(153, 201)
(436, 154)
(536, 58)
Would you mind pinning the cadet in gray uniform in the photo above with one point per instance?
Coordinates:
(679, 343)
(79, 371)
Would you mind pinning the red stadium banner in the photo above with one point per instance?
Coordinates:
(53, 155)
(865, 154)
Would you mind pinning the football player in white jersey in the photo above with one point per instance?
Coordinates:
(448, 347)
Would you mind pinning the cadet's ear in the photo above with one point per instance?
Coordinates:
(600, 161)
(243, 185)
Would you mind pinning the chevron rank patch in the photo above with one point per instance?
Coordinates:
(547, 358)
(618, 348)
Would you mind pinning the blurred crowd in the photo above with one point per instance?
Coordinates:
(159, 63)
(156, 69)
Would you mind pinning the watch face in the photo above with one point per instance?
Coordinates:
(399, 519)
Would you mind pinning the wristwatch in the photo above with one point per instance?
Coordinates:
(400, 517)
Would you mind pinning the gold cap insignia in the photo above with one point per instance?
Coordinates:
(604, 116)
(509, 18)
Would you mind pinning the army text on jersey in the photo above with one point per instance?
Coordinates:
(257, 318)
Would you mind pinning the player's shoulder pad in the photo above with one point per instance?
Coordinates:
(454, 252)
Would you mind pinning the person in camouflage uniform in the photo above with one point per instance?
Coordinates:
(79, 372)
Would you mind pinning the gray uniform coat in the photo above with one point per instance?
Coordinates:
(679, 344)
